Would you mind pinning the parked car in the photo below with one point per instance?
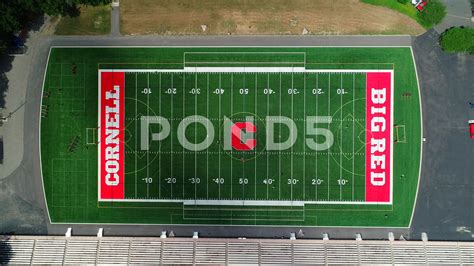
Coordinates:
(419, 4)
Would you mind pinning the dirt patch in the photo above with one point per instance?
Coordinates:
(261, 17)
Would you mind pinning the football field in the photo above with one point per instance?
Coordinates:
(243, 136)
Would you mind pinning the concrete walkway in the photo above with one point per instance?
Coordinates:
(115, 20)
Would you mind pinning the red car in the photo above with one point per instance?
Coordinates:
(471, 128)
(419, 4)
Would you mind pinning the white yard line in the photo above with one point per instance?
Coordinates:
(207, 140)
(136, 131)
(159, 143)
(171, 164)
(256, 149)
(147, 153)
(268, 113)
(340, 153)
(353, 132)
(231, 113)
(316, 157)
(329, 128)
(195, 137)
(220, 152)
(304, 144)
(279, 150)
(184, 115)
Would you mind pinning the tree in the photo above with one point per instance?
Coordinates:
(458, 39)
(432, 14)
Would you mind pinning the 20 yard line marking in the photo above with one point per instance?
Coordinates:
(291, 156)
(316, 157)
(171, 164)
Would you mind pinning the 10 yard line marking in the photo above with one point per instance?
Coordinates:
(268, 112)
(340, 154)
(136, 130)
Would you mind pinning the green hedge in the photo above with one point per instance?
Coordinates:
(458, 39)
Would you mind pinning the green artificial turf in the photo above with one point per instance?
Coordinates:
(71, 96)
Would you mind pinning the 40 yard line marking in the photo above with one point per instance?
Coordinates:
(171, 164)
(316, 157)
(220, 95)
(268, 113)
(291, 156)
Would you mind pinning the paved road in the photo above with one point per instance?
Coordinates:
(115, 21)
(458, 14)
(445, 207)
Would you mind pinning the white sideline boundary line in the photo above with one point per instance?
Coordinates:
(258, 202)
(421, 138)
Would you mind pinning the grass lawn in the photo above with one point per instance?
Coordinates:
(92, 20)
(70, 155)
(261, 17)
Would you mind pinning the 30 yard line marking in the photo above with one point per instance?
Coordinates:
(136, 130)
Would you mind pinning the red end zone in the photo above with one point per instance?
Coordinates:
(378, 151)
(111, 135)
